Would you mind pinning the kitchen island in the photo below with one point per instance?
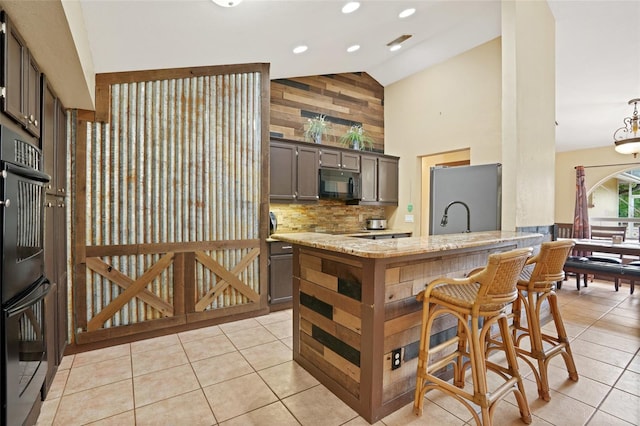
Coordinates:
(356, 321)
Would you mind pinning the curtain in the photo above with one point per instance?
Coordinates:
(581, 228)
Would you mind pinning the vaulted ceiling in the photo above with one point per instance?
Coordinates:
(597, 52)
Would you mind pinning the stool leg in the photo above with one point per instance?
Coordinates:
(562, 337)
(521, 397)
(423, 360)
(537, 347)
(459, 372)
(479, 371)
(516, 310)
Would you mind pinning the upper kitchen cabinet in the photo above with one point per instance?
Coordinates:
(54, 141)
(293, 172)
(48, 140)
(21, 85)
(379, 180)
(335, 159)
(388, 180)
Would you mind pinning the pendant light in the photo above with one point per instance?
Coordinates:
(627, 138)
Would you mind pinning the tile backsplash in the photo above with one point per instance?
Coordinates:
(325, 215)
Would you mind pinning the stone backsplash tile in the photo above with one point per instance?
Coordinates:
(325, 215)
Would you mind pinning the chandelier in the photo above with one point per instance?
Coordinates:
(627, 138)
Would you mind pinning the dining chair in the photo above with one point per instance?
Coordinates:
(535, 286)
(479, 302)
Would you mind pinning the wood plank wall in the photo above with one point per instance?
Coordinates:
(345, 99)
(331, 317)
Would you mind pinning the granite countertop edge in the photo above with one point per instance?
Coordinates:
(398, 247)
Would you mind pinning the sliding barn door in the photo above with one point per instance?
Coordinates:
(170, 193)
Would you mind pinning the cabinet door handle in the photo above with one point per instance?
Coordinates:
(48, 205)
(61, 205)
(6, 202)
(287, 247)
(49, 186)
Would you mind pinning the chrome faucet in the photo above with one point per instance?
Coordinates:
(445, 218)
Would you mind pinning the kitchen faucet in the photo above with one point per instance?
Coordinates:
(445, 219)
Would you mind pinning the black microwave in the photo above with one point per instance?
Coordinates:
(339, 185)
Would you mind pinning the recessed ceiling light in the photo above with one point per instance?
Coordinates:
(395, 47)
(227, 3)
(406, 13)
(352, 6)
(353, 48)
(300, 49)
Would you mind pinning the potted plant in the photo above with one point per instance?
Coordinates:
(316, 128)
(356, 139)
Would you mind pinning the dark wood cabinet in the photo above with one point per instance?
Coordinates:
(335, 159)
(48, 136)
(293, 172)
(280, 273)
(379, 179)
(369, 179)
(21, 84)
(388, 180)
(307, 168)
(295, 165)
(54, 150)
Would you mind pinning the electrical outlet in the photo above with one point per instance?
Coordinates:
(396, 358)
(408, 218)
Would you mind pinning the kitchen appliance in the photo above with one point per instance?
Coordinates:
(24, 287)
(273, 223)
(465, 197)
(376, 223)
(338, 184)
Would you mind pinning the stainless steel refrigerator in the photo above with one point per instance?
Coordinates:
(453, 189)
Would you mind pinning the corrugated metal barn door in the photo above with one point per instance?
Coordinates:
(173, 196)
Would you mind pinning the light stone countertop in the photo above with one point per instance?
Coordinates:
(398, 247)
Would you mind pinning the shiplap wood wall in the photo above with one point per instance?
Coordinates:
(345, 99)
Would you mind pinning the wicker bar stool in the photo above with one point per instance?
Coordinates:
(537, 284)
(484, 294)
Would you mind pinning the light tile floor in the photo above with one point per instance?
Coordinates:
(242, 373)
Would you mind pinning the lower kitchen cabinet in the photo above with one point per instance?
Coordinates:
(55, 269)
(280, 275)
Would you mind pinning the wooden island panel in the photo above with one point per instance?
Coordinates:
(352, 311)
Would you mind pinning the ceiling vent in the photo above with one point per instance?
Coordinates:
(399, 40)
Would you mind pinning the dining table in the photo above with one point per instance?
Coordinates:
(625, 248)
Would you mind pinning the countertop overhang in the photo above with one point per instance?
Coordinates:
(398, 247)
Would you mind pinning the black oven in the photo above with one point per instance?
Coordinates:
(25, 352)
(22, 281)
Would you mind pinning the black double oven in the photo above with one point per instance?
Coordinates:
(24, 287)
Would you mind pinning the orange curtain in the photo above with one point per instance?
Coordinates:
(581, 228)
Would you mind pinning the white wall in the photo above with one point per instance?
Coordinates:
(498, 100)
(451, 106)
(528, 112)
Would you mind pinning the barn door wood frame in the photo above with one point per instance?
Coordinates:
(170, 201)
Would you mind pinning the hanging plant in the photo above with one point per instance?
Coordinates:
(356, 139)
(316, 128)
